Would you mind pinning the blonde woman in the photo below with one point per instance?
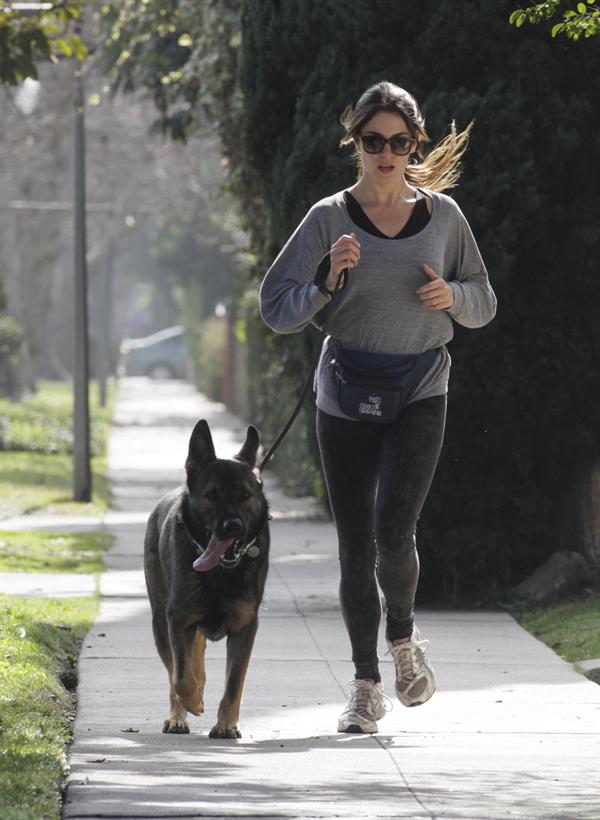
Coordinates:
(384, 268)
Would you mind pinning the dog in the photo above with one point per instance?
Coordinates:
(206, 554)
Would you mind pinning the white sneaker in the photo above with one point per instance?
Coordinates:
(366, 705)
(415, 676)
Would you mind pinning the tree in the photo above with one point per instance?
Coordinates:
(182, 53)
(584, 21)
(184, 56)
(28, 37)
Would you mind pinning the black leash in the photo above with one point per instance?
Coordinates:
(292, 419)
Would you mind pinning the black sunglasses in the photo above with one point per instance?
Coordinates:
(375, 143)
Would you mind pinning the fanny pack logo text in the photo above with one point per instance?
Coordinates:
(372, 407)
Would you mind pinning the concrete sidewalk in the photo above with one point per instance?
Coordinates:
(512, 732)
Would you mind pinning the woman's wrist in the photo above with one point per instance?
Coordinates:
(325, 281)
(322, 276)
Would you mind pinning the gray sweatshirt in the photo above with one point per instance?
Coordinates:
(379, 310)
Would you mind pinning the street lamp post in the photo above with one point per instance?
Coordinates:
(82, 478)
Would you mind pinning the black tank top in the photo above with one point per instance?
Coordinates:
(419, 217)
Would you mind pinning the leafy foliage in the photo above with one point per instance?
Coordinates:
(27, 38)
(11, 335)
(186, 56)
(183, 53)
(583, 21)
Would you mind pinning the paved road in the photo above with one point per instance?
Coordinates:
(513, 732)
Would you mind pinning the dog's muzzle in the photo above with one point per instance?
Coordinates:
(216, 553)
(226, 552)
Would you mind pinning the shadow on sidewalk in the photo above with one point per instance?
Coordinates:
(197, 777)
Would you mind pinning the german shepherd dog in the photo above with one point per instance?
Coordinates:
(206, 556)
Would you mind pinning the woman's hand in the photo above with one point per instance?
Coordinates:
(437, 293)
(344, 253)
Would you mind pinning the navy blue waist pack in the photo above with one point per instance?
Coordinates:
(376, 386)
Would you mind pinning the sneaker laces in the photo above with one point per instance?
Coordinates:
(366, 697)
(408, 657)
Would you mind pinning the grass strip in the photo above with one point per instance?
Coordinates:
(40, 551)
(36, 440)
(39, 645)
(36, 482)
(43, 421)
(571, 629)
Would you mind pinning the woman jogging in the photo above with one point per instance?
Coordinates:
(384, 268)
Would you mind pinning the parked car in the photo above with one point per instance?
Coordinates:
(163, 355)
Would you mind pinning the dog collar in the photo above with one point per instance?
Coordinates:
(251, 549)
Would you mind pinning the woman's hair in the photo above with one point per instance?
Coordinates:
(440, 169)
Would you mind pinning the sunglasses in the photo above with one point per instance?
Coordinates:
(375, 143)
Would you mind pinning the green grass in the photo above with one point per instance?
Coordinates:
(53, 551)
(35, 482)
(36, 465)
(39, 644)
(40, 639)
(571, 629)
(43, 423)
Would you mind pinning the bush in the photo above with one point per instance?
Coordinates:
(11, 337)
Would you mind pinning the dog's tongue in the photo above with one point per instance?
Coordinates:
(212, 554)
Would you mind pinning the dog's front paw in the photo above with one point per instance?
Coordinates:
(225, 732)
(190, 699)
(176, 727)
(196, 706)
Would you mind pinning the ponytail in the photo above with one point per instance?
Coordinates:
(440, 169)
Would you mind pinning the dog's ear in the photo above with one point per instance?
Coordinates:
(250, 447)
(201, 449)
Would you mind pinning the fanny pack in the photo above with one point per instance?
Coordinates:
(376, 386)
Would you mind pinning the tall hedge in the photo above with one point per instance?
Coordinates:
(523, 427)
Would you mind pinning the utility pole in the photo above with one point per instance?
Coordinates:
(82, 476)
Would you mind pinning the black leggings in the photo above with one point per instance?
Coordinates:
(378, 477)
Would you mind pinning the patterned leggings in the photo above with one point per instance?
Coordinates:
(378, 477)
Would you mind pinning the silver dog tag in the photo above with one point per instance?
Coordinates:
(254, 551)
